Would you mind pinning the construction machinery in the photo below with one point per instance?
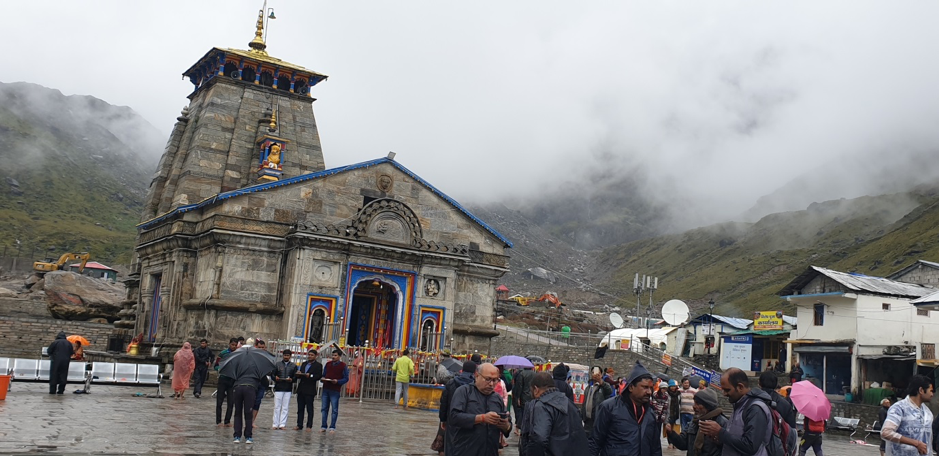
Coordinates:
(550, 297)
(42, 267)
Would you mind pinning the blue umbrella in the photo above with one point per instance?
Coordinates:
(513, 362)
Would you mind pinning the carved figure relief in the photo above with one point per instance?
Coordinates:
(324, 273)
(385, 183)
(431, 288)
(387, 220)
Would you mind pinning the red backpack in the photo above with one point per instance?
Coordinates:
(816, 427)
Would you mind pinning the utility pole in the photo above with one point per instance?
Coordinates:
(637, 289)
(652, 284)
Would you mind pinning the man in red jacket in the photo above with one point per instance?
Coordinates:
(335, 374)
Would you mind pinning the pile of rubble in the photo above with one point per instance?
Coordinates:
(70, 296)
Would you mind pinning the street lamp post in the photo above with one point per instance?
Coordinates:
(711, 322)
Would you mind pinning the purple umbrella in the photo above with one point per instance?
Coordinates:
(513, 362)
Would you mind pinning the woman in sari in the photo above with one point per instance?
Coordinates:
(184, 363)
(355, 375)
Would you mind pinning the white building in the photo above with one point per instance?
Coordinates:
(857, 329)
(704, 333)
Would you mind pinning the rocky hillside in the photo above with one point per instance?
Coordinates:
(75, 172)
(742, 265)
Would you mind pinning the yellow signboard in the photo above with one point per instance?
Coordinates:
(767, 321)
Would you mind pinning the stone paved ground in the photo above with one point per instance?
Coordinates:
(111, 421)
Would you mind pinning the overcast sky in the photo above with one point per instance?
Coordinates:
(723, 101)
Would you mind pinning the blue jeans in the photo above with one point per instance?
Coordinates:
(330, 398)
(686, 419)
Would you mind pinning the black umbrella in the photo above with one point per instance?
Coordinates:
(452, 365)
(535, 359)
(247, 362)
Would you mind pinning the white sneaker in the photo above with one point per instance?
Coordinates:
(238, 440)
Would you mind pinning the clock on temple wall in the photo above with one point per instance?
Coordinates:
(323, 273)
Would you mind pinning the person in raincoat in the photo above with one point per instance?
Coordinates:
(60, 353)
(560, 381)
(554, 424)
(477, 417)
(597, 391)
(464, 377)
(625, 425)
(706, 407)
(184, 363)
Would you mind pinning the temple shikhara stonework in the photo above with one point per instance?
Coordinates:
(245, 232)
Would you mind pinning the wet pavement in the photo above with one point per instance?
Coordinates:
(112, 420)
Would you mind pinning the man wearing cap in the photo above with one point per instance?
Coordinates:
(674, 407)
(307, 375)
(626, 425)
(284, 372)
(706, 407)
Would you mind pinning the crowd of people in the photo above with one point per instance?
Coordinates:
(627, 415)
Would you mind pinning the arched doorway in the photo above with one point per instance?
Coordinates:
(374, 308)
(317, 323)
(428, 330)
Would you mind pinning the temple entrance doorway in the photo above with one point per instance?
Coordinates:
(317, 322)
(372, 314)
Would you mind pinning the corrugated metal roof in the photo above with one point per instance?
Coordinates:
(912, 267)
(859, 283)
(739, 323)
(932, 298)
(791, 320)
(768, 332)
(93, 265)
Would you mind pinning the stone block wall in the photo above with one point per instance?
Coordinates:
(25, 337)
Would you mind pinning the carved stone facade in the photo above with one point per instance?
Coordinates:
(364, 253)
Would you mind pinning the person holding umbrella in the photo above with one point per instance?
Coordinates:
(247, 365)
(908, 427)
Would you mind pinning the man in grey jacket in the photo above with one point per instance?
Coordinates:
(749, 430)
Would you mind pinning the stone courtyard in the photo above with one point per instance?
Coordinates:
(112, 420)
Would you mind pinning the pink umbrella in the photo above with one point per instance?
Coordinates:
(810, 401)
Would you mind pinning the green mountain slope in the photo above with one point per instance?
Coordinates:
(742, 265)
(74, 173)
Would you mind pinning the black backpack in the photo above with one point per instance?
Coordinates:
(783, 441)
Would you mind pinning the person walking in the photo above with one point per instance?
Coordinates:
(768, 383)
(403, 368)
(625, 425)
(246, 365)
(596, 392)
(881, 417)
(335, 374)
(465, 376)
(477, 417)
(60, 354)
(263, 385)
(284, 373)
(554, 426)
(660, 405)
(812, 436)
(750, 427)
(184, 362)
(225, 385)
(686, 408)
(795, 375)
(204, 358)
(674, 408)
(521, 395)
(908, 426)
(691, 440)
(559, 374)
(308, 375)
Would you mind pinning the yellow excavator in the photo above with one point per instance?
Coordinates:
(42, 267)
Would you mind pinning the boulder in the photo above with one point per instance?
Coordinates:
(5, 293)
(32, 279)
(38, 286)
(72, 296)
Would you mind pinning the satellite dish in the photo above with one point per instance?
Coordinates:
(675, 312)
(617, 320)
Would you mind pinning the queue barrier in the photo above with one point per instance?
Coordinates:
(38, 370)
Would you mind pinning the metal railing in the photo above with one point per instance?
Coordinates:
(513, 335)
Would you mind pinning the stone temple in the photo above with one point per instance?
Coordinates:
(246, 233)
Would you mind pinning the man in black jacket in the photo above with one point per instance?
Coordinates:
(597, 392)
(750, 427)
(768, 383)
(477, 416)
(60, 353)
(625, 425)
(521, 394)
(284, 372)
(694, 443)
(560, 381)
(463, 377)
(307, 375)
(554, 424)
(204, 358)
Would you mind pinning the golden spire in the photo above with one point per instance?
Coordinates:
(273, 126)
(257, 44)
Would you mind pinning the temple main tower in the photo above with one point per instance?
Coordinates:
(249, 120)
